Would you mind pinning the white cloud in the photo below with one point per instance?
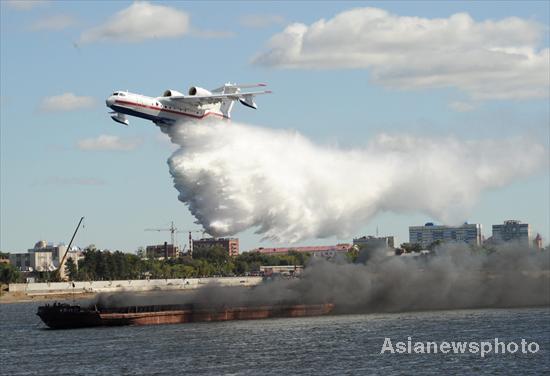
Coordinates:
(489, 59)
(106, 142)
(55, 22)
(211, 33)
(139, 22)
(25, 4)
(462, 106)
(258, 21)
(66, 102)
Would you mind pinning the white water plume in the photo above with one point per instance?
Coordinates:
(234, 177)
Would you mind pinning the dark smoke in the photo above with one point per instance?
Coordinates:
(455, 277)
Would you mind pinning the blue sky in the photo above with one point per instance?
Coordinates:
(48, 179)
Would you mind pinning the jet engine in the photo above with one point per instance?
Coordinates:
(195, 90)
(171, 93)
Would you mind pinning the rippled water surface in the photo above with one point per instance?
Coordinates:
(330, 345)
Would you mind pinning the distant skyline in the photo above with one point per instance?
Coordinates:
(342, 74)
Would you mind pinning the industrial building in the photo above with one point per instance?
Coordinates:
(230, 245)
(429, 233)
(292, 270)
(512, 231)
(162, 251)
(374, 242)
(325, 251)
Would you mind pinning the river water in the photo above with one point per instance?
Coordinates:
(329, 345)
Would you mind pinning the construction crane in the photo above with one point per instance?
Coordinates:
(173, 231)
(59, 272)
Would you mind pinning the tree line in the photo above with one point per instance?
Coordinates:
(208, 262)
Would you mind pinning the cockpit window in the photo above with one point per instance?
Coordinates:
(115, 93)
(122, 94)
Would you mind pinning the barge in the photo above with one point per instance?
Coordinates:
(66, 316)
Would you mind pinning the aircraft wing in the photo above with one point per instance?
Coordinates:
(229, 87)
(244, 97)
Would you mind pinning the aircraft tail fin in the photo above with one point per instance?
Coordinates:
(247, 99)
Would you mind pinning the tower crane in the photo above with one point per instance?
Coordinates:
(173, 231)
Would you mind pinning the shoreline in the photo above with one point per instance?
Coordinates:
(10, 297)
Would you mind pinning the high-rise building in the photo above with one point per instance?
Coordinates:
(230, 245)
(469, 233)
(512, 231)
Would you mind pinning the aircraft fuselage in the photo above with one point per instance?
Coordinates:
(160, 110)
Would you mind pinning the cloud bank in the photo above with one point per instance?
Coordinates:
(107, 143)
(66, 102)
(139, 22)
(488, 60)
(287, 188)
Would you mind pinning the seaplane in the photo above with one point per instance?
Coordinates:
(174, 107)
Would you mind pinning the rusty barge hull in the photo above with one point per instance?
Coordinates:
(63, 316)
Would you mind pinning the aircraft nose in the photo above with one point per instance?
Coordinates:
(110, 101)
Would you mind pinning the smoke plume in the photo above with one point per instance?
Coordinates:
(234, 177)
(454, 277)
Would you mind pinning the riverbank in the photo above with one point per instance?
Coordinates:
(18, 297)
(29, 292)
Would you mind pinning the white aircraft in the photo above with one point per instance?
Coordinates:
(174, 107)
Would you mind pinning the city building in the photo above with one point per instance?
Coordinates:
(44, 257)
(512, 231)
(325, 251)
(230, 245)
(162, 251)
(373, 242)
(430, 233)
(21, 261)
(269, 270)
(57, 251)
(537, 243)
(34, 260)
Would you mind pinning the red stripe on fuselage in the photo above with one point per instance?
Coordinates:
(171, 111)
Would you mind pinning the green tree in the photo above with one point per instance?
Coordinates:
(215, 254)
(411, 247)
(435, 244)
(8, 273)
(141, 252)
(71, 269)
